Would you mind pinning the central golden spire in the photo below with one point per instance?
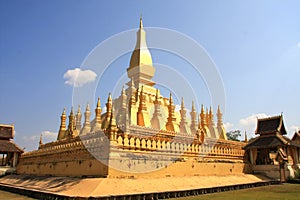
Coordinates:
(140, 68)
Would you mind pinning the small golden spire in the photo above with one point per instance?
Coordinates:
(170, 126)
(194, 119)
(156, 95)
(86, 125)
(123, 91)
(141, 22)
(108, 110)
(71, 123)
(72, 111)
(207, 115)
(123, 98)
(41, 140)
(203, 117)
(246, 138)
(78, 118)
(109, 99)
(79, 110)
(63, 120)
(63, 126)
(98, 111)
(183, 128)
(98, 103)
(112, 121)
(112, 127)
(199, 122)
(219, 117)
(171, 98)
(193, 106)
(142, 105)
(211, 116)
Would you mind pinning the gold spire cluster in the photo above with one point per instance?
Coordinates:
(142, 106)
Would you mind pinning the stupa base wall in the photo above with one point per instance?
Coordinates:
(130, 164)
(188, 168)
(97, 157)
(73, 168)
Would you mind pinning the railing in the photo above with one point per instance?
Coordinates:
(213, 148)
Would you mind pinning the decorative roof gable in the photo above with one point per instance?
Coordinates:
(296, 137)
(270, 125)
(6, 131)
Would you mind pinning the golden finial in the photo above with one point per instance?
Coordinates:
(98, 103)
(87, 107)
(193, 106)
(182, 102)
(171, 98)
(141, 22)
(123, 90)
(78, 110)
(64, 111)
(109, 97)
(72, 111)
(41, 139)
(112, 121)
(202, 108)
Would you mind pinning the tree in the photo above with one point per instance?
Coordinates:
(233, 135)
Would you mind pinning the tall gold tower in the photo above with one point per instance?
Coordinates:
(140, 68)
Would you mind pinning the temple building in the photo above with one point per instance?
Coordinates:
(10, 152)
(272, 150)
(140, 133)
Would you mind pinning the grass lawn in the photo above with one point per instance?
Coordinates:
(273, 192)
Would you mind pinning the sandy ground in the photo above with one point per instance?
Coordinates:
(97, 187)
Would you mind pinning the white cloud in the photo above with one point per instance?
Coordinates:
(177, 108)
(292, 129)
(298, 44)
(249, 123)
(228, 126)
(251, 120)
(31, 142)
(49, 136)
(77, 77)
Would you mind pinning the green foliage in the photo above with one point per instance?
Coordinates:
(233, 135)
(297, 173)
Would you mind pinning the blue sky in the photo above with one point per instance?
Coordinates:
(255, 45)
